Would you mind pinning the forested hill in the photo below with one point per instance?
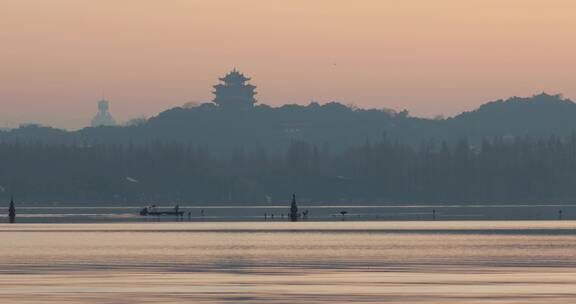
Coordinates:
(537, 116)
(515, 150)
(332, 126)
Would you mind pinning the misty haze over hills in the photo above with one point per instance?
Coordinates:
(514, 150)
(236, 150)
(333, 125)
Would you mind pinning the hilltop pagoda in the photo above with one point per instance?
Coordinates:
(234, 92)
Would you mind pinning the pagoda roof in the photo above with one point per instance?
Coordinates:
(234, 76)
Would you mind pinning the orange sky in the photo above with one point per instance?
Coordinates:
(58, 57)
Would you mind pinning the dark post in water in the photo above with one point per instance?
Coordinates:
(12, 211)
(293, 209)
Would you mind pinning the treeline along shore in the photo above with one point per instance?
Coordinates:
(497, 170)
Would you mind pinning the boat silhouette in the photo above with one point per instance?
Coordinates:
(154, 211)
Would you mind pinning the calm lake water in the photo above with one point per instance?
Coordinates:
(85, 213)
(282, 262)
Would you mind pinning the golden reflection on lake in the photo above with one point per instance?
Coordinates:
(281, 262)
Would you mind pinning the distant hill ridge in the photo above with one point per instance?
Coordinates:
(539, 115)
(332, 125)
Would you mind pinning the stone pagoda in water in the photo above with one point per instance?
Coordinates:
(12, 211)
(294, 209)
(103, 118)
(234, 92)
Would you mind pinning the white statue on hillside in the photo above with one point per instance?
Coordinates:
(103, 118)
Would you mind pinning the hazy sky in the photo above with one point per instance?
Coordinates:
(59, 57)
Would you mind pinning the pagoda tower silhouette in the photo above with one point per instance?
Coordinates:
(234, 92)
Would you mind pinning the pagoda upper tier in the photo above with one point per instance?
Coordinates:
(234, 92)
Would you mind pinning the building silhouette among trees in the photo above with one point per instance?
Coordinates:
(234, 92)
(103, 118)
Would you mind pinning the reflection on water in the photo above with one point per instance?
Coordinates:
(282, 262)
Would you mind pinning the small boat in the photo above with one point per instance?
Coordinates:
(152, 210)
